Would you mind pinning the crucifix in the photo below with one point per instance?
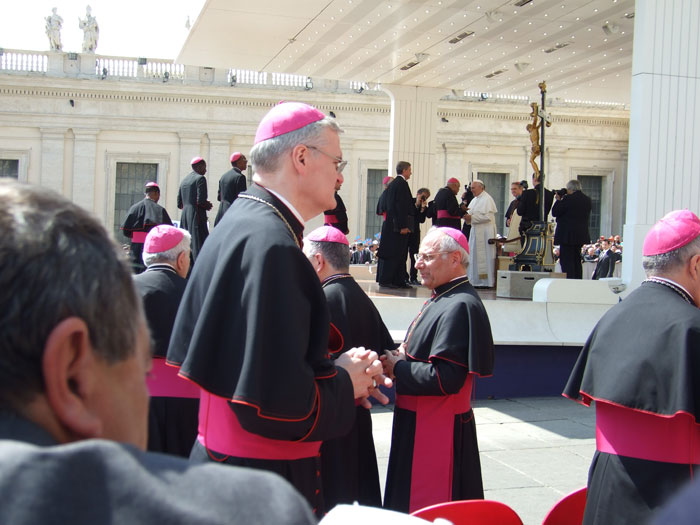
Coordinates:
(540, 120)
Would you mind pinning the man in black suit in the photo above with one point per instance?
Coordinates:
(419, 215)
(394, 246)
(231, 184)
(572, 211)
(529, 205)
(606, 261)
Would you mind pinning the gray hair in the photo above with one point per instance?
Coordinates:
(335, 253)
(265, 155)
(666, 263)
(169, 256)
(57, 262)
(573, 185)
(446, 243)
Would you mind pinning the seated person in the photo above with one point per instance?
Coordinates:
(74, 355)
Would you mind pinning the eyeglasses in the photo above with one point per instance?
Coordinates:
(341, 163)
(428, 257)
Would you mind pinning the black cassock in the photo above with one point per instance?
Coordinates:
(140, 219)
(252, 331)
(349, 463)
(174, 403)
(338, 216)
(434, 452)
(641, 361)
(192, 200)
(393, 248)
(447, 210)
(231, 184)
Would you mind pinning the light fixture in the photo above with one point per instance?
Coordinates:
(443, 119)
(309, 84)
(142, 61)
(460, 37)
(521, 66)
(494, 16)
(557, 47)
(611, 28)
(104, 73)
(166, 76)
(331, 114)
(483, 96)
(521, 3)
(72, 103)
(232, 81)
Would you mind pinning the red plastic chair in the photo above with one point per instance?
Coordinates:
(568, 510)
(471, 512)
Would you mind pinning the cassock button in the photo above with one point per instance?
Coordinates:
(318, 473)
(318, 491)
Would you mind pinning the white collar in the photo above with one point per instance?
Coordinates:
(288, 205)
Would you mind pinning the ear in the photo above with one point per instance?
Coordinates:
(182, 263)
(70, 373)
(318, 262)
(300, 154)
(692, 267)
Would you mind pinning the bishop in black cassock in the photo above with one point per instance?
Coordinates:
(434, 453)
(641, 366)
(348, 463)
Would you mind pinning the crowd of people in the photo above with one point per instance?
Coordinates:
(261, 358)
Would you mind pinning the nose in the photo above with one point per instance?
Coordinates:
(420, 263)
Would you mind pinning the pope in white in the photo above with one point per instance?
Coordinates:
(482, 216)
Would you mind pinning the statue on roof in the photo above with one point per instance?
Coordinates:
(53, 30)
(91, 31)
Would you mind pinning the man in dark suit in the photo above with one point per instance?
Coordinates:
(231, 184)
(529, 205)
(394, 246)
(606, 261)
(572, 211)
(74, 355)
(419, 215)
(516, 190)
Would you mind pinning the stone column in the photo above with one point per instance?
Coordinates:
(84, 167)
(52, 148)
(413, 131)
(219, 154)
(664, 133)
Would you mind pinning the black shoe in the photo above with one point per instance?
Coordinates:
(405, 286)
(392, 286)
(414, 282)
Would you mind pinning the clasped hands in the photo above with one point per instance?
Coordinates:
(391, 357)
(365, 370)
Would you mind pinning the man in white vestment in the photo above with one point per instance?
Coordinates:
(481, 215)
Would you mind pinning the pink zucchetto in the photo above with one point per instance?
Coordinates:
(196, 160)
(152, 185)
(286, 117)
(452, 180)
(386, 180)
(162, 238)
(674, 230)
(456, 235)
(327, 234)
(235, 156)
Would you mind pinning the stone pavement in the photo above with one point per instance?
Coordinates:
(533, 450)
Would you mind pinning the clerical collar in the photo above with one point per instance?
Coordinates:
(287, 204)
(162, 267)
(440, 290)
(400, 175)
(334, 277)
(680, 290)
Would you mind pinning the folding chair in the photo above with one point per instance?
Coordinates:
(471, 512)
(568, 510)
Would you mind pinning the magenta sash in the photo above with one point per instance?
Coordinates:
(220, 431)
(163, 381)
(138, 237)
(433, 447)
(330, 219)
(632, 433)
(444, 214)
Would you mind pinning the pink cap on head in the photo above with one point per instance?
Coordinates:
(162, 238)
(286, 117)
(452, 180)
(386, 180)
(456, 235)
(674, 230)
(235, 156)
(327, 234)
(196, 160)
(152, 185)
